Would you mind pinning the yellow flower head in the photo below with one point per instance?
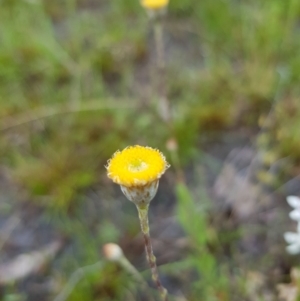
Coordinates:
(154, 4)
(136, 166)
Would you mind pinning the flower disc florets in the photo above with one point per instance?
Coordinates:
(136, 166)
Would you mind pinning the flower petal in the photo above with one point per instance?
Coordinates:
(291, 237)
(293, 249)
(298, 227)
(293, 201)
(295, 215)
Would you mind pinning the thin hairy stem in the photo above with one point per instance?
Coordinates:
(143, 216)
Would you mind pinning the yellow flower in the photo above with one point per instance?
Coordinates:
(136, 166)
(137, 170)
(154, 4)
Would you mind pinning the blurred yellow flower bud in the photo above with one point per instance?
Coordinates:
(154, 4)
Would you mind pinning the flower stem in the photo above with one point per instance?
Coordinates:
(164, 104)
(143, 216)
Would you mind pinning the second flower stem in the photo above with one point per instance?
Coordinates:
(143, 216)
(164, 105)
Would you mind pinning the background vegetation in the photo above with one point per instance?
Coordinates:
(79, 80)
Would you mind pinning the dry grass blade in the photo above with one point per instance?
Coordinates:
(51, 111)
(75, 278)
(27, 264)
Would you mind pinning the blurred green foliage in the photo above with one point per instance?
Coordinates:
(76, 84)
(192, 217)
(69, 56)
